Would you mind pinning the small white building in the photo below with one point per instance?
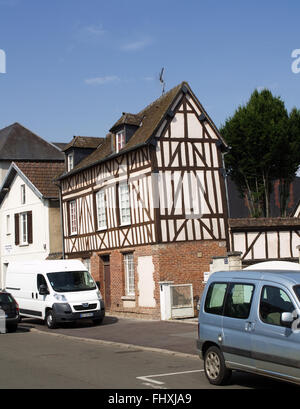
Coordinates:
(29, 214)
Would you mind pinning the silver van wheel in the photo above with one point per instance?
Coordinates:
(213, 365)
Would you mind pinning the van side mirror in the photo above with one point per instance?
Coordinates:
(287, 317)
(98, 284)
(43, 290)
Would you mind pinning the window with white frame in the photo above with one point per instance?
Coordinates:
(101, 210)
(23, 194)
(124, 203)
(73, 217)
(120, 141)
(23, 228)
(129, 274)
(70, 160)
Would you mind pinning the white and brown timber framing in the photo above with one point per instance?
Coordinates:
(265, 239)
(175, 179)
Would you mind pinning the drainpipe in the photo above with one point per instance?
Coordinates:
(61, 221)
(226, 185)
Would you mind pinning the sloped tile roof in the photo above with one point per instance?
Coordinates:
(148, 121)
(151, 117)
(89, 142)
(19, 143)
(41, 175)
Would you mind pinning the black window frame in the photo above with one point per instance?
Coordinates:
(230, 287)
(41, 280)
(282, 325)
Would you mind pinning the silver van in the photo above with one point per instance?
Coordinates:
(250, 321)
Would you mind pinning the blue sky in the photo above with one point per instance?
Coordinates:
(73, 66)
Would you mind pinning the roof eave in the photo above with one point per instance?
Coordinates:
(9, 179)
(112, 156)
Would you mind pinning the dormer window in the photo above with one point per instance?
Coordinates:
(70, 159)
(120, 141)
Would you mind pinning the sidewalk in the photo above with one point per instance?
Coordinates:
(176, 336)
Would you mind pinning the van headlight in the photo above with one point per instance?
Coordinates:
(99, 296)
(60, 297)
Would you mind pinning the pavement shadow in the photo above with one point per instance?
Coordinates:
(89, 323)
(22, 329)
(248, 380)
(28, 323)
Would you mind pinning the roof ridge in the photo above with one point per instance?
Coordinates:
(161, 97)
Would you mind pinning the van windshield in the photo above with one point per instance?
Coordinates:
(70, 281)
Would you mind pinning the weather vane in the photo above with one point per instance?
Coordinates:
(162, 81)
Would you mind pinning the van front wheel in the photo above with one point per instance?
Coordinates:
(50, 320)
(215, 368)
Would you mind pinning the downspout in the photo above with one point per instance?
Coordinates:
(226, 184)
(61, 221)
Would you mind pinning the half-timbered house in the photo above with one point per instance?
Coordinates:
(148, 206)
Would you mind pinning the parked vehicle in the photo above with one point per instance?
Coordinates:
(55, 291)
(9, 312)
(248, 321)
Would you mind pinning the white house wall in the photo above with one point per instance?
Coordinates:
(11, 205)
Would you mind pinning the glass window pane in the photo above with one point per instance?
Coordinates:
(238, 302)
(215, 298)
(101, 210)
(274, 301)
(124, 204)
(73, 217)
(129, 274)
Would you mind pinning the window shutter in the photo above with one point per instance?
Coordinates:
(17, 230)
(29, 227)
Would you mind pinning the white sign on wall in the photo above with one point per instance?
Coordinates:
(8, 249)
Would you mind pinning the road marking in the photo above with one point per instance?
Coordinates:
(149, 378)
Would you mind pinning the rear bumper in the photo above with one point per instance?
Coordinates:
(64, 313)
(12, 321)
(199, 345)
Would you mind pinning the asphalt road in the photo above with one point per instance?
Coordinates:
(31, 359)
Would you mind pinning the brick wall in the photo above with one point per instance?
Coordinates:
(186, 262)
(183, 263)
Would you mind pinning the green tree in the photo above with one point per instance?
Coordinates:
(265, 146)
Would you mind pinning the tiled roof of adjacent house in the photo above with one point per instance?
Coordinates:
(60, 145)
(19, 143)
(84, 142)
(41, 175)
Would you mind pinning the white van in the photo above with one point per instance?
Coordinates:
(55, 291)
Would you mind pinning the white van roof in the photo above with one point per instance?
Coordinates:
(275, 265)
(45, 266)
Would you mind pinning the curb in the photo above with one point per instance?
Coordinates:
(177, 321)
(117, 344)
